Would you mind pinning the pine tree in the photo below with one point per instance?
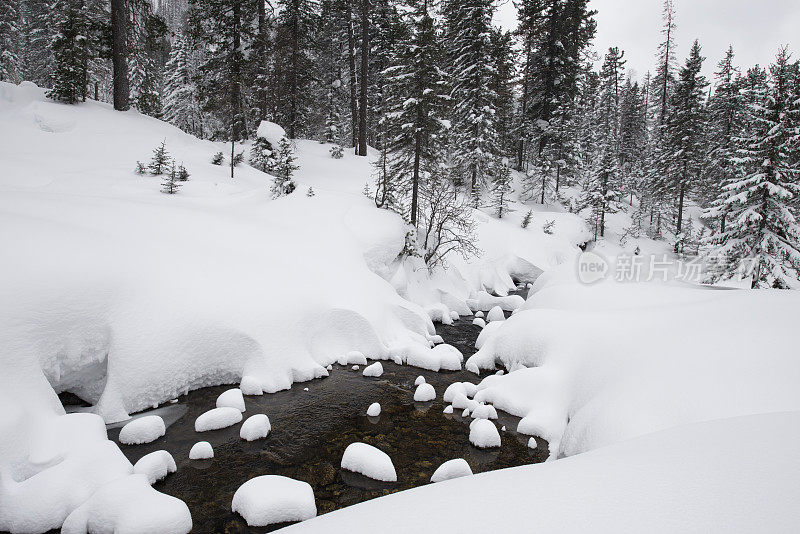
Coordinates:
(526, 221)
(183, 174)
(475, 142)
(146, 40)
(263, 156)
(725, 113)
(170, 184)
(501, 188)
(414, 122)
(503, 84)
(161, 159)
(69, 48)
(182, 100)
(684, 131)
(10, 41)
(762, 237)
(284, 169)
(37, 56)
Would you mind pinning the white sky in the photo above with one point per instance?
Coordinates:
(755, 28)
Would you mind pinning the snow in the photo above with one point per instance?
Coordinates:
(250, 385)
(479, 314)
(270, 499)
(355, 368)
(155, 466)
(424, 393)
(658, 483)
(532, 443)
(485, 302)
(465, 413)
(375, 369)
(352, 357)
(129, 505)
(448, 409)
(369, 461)
(217, 418)
(419, 380)
(451, 469)
(231, 398)
(483, 434)
(479, 322)
(648, 357)
(452, 389)
(374, 409)
(440, 357)
(271, 132)
(142, 430)
(255, 427)
(495, 314)
(201, 450)
(484, 411)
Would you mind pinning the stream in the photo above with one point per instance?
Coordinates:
(311, 429)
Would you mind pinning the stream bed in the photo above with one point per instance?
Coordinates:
(311, 429)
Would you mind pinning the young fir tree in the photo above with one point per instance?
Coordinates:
(762, 237)
(526, 221)
(725, 113)
(501, 187)
(684, 133)
(414, 121)
(161, 160)
(468, 25)
(171, 184)
(181, 98)
(284, 169)
(10, 41)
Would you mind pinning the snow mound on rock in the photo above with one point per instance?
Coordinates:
(217, 418)
(369, 461)
(495, 314)
(155, 466)
(374, 370)
(255, 427)
(251, 385)
(270, 499)
(484, 411)
(424, 393)
(374, 409)
(483, 434)
(477, 321)
(419, 380)
(201, 450)
(451, 469)
(142, 430)
(129, 505)
(231, 398)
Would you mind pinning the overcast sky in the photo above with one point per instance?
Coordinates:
(755, 28)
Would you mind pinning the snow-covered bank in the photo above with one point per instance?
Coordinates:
(733, 475)
(594, 365)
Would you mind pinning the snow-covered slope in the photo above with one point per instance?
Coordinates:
(734, 475)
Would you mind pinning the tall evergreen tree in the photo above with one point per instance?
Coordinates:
(37, 55)
(762, 237)
(181, 98)
(70, 51)
(10, 41)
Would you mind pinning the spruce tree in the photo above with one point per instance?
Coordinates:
(69, 47)
(684, 131)
(10, 41)
(37, 56)
(263, 156)
(762, 237)
(161, 159)
(181, 100)
(284, 169)
(501, 188)
(468, 26)
(170, 184)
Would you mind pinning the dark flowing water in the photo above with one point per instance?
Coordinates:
(311, 429)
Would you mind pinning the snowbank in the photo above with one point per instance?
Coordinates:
(660, 483)
(451, 469)
(369, 461)
(647, 357)
(270, 499)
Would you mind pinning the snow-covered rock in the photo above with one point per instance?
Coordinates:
(374, 409)
(495, 314)
(251, 385)
(269, 499)
(469, 388)
(486, 302)
(479, 314)
(440, 357)
(255, 427)
(271, 132)
(201, 450)
(419, 380)
(454, 315)
(436, 339)
(155, 466)
(375, 370)
(231, 398)
(217, 418)
(484, 411)
(448, 409)
(355, 368)
(142, 430)
(369, 461)
(487, 332)
(424, 393)
(129, 505)
(532, 443)
(465, 413)
(451, 469)
(352, 357)
(459, 400)
(477, 321)
(483, 434)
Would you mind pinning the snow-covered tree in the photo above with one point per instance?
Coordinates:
(181, 98)
(69, 47)
(501, 187)
(762, 237)
(37, 56)
(171, 184)
(10, 41)
(161, 159)
(284, 169)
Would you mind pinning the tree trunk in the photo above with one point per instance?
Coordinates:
(362, 120)
(293, 96)
(119, 54)
(261, 59)
(415, 180)
(351, 60)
